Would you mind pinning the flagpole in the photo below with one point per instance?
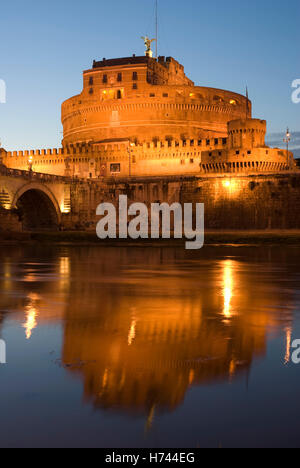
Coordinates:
(156, 26)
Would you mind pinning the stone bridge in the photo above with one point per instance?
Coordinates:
(39, 199)
(245, 201)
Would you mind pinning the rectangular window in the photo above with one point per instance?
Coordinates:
(216, 141)
(208, 142)
(134, 76)
(165, 95)
(120, 77)
(152, 95)
(115, 168)
(104, 79)
(91, 81)
(134, 86)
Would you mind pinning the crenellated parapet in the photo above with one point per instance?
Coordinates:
(244, 150)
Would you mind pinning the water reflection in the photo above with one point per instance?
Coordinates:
(141, 327)
(31, 312)
(228, 268)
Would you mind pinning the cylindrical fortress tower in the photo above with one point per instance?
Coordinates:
(145, 99)
(248, 133)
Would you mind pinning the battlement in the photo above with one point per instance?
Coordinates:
(37, 152)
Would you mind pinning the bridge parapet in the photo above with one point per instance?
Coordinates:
(29, 175)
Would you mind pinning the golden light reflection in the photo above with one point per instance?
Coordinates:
(31, 315)
(150, 418)
(288, 345)
(228, 287)
(64, 266)
(132, 332)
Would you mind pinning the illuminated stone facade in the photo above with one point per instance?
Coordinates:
(141, 116)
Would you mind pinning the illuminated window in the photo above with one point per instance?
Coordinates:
(115, 168)
(233, 102)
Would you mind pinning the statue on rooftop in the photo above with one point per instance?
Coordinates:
(148, 42)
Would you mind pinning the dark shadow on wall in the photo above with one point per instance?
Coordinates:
(37, 212)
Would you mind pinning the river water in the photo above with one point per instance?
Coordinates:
(148, 347)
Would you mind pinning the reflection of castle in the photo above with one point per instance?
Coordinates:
(141, 338)
(143, 116)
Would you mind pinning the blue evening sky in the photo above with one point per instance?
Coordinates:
(222, 43)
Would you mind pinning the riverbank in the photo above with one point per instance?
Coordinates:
(276, 237)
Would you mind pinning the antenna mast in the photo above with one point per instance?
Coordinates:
(156, 26)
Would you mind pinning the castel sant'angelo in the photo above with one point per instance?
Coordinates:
(142, 116)
(142, 128)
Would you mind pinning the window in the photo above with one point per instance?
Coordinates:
(152, 95)
(134, 86)
(237, 152)
(165, 95)
(91, 81)
(91, 91)
(191, 161)
(119, 77)
(216, 141)
(104, 79)
(134, 76)
(207, 142)
(116, 168)
(248, 152)
(224, 141)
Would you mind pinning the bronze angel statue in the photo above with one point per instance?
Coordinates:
(148, 43)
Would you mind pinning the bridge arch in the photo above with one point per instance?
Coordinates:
(37, 206)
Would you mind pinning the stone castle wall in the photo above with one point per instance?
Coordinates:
(256, 202)
(142, 98)
(150, 159)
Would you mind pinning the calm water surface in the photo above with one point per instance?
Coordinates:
(116, 347)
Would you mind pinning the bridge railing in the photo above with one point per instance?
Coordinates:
(30, 175)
